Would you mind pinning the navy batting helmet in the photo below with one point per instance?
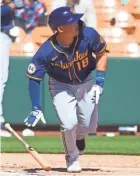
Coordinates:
(62, 16)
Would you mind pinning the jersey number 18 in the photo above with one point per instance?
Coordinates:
(82, 64)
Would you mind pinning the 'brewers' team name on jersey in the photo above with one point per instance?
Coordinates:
(77, 58)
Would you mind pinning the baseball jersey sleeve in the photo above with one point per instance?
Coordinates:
(37, 67)
(97, 43)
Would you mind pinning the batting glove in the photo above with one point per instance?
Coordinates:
(34, 117)
(97, 92)
(98, 88)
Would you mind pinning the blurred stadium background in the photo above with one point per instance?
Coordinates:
(119, 23)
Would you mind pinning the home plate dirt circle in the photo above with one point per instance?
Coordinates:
(13, 164)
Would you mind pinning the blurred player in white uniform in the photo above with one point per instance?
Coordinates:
(5, 43)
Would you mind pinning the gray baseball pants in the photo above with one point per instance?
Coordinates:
(77, 112)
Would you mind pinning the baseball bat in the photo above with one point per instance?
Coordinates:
(33, 152)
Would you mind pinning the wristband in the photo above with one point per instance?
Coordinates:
(100, 75)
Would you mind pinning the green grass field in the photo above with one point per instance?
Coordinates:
(95, 145)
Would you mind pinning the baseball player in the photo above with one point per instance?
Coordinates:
(5, 43)
(69, 57)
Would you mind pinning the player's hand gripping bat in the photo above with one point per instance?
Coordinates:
(34, 153)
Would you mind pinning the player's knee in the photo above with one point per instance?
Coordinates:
(85, 123)
(86, 126)
(69, 126)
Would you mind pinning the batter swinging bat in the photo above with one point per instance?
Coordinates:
(34, 153)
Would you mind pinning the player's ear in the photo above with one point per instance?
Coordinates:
(81, 25)
(60, 29)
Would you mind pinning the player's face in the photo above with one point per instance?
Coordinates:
(70, 29)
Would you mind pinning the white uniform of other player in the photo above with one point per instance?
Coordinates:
(5, 43)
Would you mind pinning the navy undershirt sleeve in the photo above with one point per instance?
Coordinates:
(34, 91)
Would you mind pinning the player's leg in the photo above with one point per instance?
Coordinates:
(82, 132)
(90, 126)
(65, 104)
(4, 65)
(87, 113)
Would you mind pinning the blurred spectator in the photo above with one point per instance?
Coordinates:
(7, 8)
(5, 43)
(80, 6)
(29, 14)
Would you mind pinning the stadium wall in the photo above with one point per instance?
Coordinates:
(119, 104)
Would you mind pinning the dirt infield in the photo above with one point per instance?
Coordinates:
(95, 165)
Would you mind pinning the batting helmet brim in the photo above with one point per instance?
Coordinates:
(76, 17)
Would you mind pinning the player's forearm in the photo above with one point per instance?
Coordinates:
(34, 91)
(101, 66)
(101, 62)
